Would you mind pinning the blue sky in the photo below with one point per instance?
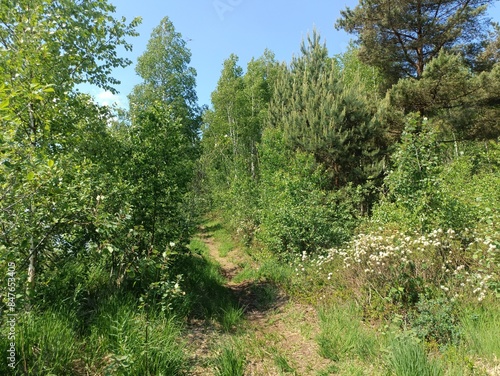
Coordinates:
(216, 28)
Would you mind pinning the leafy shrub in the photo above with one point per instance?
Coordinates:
(435, 320)
(399, 268)
(435, 184)
(297, 214)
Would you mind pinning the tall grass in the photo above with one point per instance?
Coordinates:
(481, 330)
(230, 317)
(127, 342)
(342, 334)
(121, 340)
(408, 358)
(230, 362)
(46, 343)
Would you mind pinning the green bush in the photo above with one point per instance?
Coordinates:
(435, 184)
(298, 214)
(393, 268)
(435, 320)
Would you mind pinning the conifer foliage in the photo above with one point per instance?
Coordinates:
(401, 36)
(326, 109)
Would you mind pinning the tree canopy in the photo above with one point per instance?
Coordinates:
(325, 106)
(168, 77)
(401, 36)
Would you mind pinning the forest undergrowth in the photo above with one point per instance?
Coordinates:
(292, 318)
(329, 215)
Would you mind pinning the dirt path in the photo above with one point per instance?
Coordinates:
(247, 292)
(278, 334)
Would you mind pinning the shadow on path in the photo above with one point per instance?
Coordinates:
(254, 297)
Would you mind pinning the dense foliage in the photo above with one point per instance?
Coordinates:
(93, 202)
(345, 148)
(401, 37)
(378, 169)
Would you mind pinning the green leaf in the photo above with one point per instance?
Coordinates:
(4, 104)
(50, 163)
(30, 176)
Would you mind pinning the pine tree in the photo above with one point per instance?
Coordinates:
(324, 112)
(401, 36)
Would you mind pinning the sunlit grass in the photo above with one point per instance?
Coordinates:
(481, 330)
(342, 334)
(197, 245)
(224, 238)
(230, 362)
(127, 341)
(283, 364)
(121, 340)
(231, 317)
(46, 342)
(408, 358)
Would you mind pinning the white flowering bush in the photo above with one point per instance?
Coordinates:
(399, 267)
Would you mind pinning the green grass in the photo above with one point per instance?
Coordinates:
(121, 340)
(342, 334)
(197, 245)
(226, 247)
(231, 317)
(265, 294)
(270, 268)
(204, 286)
(283, 365)
(102, 331)
(248, 273)
(408, 358)
(127, 341)
(224, 238)
(481, 330)
(331, 369)
(221, 235)
(230, 362)
(45, 343)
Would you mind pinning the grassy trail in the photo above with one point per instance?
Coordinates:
(267, 333)
(248, 325)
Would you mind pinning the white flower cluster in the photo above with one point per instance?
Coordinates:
(486, 252)
(442, 259)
